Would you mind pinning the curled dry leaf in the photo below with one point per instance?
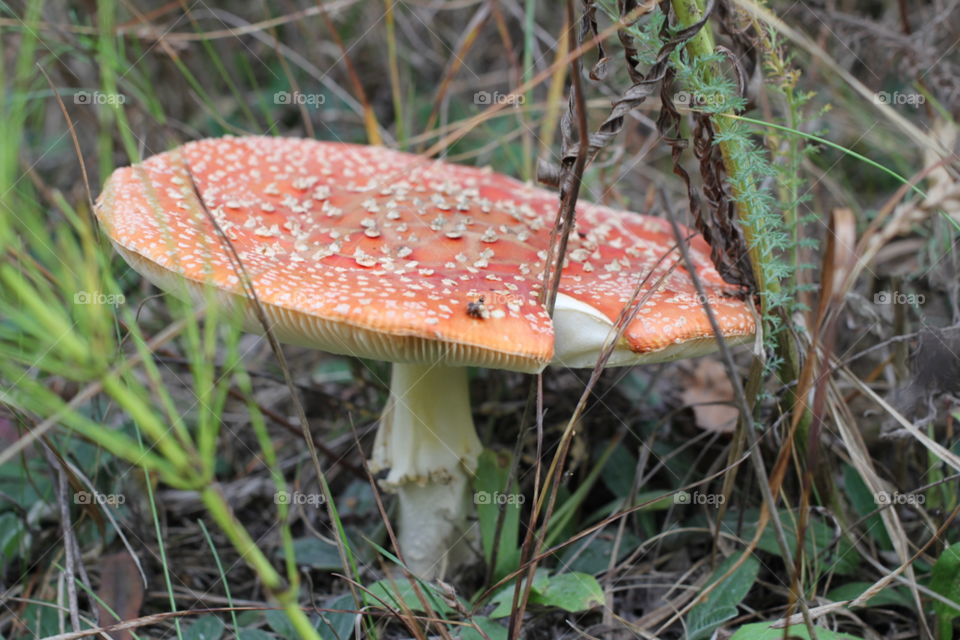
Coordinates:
(708, 390)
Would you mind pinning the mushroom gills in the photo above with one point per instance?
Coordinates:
(580, 334)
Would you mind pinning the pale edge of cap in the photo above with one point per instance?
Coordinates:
(581, 332)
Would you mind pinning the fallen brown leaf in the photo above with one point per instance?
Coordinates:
(120, 591)
(708, 391)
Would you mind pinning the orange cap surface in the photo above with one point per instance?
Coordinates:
(381, 254)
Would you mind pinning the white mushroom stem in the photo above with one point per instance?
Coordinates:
(429, 446)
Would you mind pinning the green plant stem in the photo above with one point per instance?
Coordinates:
(529, 41)
(390, 23)
(132, 403)
(272, 581)
(223, 575)
(161, 545)
(270, 456)
(791, 212)
(55, 325)
(109, 60)
(701, 46)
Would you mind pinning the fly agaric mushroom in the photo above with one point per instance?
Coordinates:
(434, 267)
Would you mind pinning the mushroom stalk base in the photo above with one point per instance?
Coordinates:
(428, 445)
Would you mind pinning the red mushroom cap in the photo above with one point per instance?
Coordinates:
(614, 252)
(381, 254)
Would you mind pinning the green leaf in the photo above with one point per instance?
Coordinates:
(890, 596)
(337, 626)
(946, 582)
(205, 628)
(491, 480)
(332, 369)
(493, 630)
(253, 634)
(316, 554)
(592, 555)
(281, 625)
(41, 621)
(618, 473)
(820, 542)
(25, 485)
(658, 501)
(721, 604)
(570, 592)
(677, 460)
(504, 597)
(636, 386)
(563, 516)
(357, 499)
(763, 631)
(248, 618)
(13, 536)
(398, 594)
(862, 501)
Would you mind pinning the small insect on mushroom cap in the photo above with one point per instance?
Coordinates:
(477, 309)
